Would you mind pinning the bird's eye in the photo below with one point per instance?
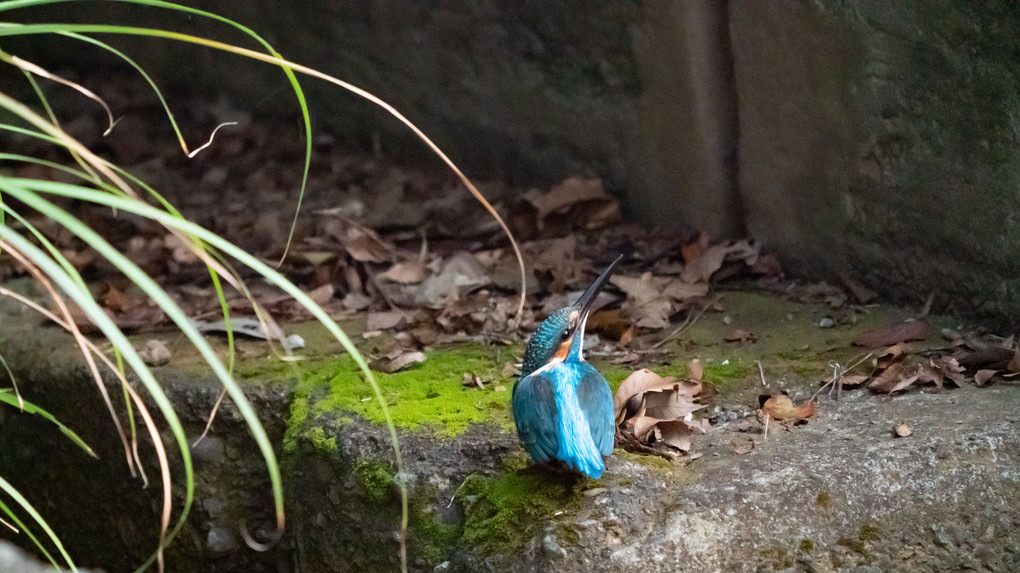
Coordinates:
(566, 334)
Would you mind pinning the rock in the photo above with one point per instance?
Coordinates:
(552, 547)
(221, 540)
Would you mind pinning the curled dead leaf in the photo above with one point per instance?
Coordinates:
(396, 361)
(894, 333)
(892, 379)
(782, 409)
(982, 377)
(582, 201)
(412, 272)
(321, 295)
(472, 380)
(651, 409)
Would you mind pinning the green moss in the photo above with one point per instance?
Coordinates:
(428, 394)
(320, 441)
(298, 415)
(503, 512)
(824, 500)
(376, 479)
(433, 539)
(655, 462)
(806, 546)
(721, 372)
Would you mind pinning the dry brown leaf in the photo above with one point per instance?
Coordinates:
(672, 403)
(988, 358)
(322, 295)
(460, 274)
(472, 380)
(677, 434)
(982, 377)
(853, 379)
(894, 333)
(139, 316)
(583, 202)
(115, 300)
(888, 378)
(712, 259)
(930, 373)
(782, 409)
(646, 305)
(610, 324)
(639, 382)
(365, 246)
(627, 336)
(1014, 363)
(681, 291)
(405, 273)
(693, 250)
(640, 426)
(951, 370)
(396, 361)
(647, 402)
(385, 320)
(894, 353)
(703, 267)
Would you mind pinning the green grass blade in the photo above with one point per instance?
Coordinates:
(8, 397)
(22, 193)
(110, 330)
(27, 508)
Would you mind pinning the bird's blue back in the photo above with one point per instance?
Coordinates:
(564, 411)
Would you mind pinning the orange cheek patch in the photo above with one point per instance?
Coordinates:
(563, 350)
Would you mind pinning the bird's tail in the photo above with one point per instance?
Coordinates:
(576, 447)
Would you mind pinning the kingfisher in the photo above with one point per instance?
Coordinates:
(562, 406)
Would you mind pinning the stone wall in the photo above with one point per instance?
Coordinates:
(875, 138)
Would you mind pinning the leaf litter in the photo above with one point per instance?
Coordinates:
(653, 412)
(362, 252)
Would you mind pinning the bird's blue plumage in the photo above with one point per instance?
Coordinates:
(565, 412)
(562, 406)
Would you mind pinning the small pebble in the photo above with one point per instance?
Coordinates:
(220, 540)
(826, 322)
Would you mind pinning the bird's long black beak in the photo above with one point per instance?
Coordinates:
(587, 299)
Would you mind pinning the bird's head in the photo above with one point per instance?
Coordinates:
(561, 335)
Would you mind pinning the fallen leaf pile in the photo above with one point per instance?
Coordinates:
(652, 410)
(405, 248)
(899, 367)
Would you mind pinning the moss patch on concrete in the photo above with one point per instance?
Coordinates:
(428, 394)
(376, 479)
(503, 512)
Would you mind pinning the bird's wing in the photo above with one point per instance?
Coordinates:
(596, 400)
(535, 415)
